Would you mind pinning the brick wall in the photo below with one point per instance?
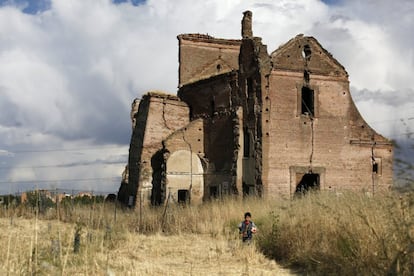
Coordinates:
(322, 143)
(184, 164)
(203, 56)
(158, 116)
(263, 124)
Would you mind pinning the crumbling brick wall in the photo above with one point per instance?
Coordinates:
(184, 164)
(254, 68)
(216, 101)
(158, 116)
(202, 56)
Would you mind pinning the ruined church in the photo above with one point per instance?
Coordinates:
(246, 122)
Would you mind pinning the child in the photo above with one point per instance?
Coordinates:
(247, 228)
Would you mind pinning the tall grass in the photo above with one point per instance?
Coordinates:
(349, 234)
(87, 239)
(319, 233)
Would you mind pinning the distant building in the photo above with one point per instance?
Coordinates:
(41, 193)
(84, 194)
(246, 122)
(61, 196)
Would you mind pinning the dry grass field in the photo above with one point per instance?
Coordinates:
(317, 234)
(44, 245)
(344, 234)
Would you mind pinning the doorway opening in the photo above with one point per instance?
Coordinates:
(214, 193)
(183, 196)
(308, 182)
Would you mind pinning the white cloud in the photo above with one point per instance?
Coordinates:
(69, 74)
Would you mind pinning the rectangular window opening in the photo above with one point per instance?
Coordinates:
(249, 87)
(375, 168)
(246, 143)
(212, 107)
(308, 107)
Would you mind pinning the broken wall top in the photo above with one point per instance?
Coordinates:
(305, 52)
(207, 96)
(202, 56)
(205, 38)
(161, 94)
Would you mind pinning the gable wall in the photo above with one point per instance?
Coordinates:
(202, 56)
(294, 140)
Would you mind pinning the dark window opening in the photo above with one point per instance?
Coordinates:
(246, 189)
(212, 107)
(249, 88)
(191, 112)
(214, 192)
(218, 67)
(183, 196)
(308, 182)
(158, 193)
(307, 101)
(246, 143)
(375, 168)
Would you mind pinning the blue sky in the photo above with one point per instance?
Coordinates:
(332, 2)
(36, 6)
(29, 6)
(70, 70)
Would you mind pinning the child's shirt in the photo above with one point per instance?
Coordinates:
(245, 228)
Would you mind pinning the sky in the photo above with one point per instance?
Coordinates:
(69, 71)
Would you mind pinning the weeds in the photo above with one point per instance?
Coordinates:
(320, 233)
(349, 234)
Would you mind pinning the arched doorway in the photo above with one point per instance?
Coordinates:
(185, 177)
